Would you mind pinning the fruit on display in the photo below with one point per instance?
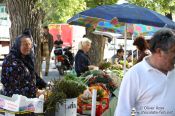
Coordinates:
(99, 76)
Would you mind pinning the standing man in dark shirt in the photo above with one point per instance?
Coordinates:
(46, 48)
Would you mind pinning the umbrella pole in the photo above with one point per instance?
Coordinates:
(114, 44)
(132, 50)
(125, 43)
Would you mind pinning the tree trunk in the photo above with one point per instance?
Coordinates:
(169, 15)
(96, 52)
(24, 14)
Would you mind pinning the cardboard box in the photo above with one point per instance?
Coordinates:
(18, 103)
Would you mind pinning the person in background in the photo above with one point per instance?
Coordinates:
(142, 46)
(46, 48)
(58, 50)
(132, 58)
(117, 57)
(18, 75)
(59, 38)
(82, 60)
(129, 56)
(149, 85)
(129, 59)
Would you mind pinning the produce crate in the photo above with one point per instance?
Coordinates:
(102, 105)
(9, 113)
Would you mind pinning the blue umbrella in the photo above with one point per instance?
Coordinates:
(127, 13)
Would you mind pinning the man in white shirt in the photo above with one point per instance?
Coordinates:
(149, 86)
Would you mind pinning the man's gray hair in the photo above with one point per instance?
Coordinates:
(83, 43)
(163, 39)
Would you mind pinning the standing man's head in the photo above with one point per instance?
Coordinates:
(46, 29)
(162, 46)
(85, 45)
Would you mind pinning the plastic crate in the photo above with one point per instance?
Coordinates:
(100, 108)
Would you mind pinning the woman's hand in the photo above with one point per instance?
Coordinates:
(40, 92)
(92, 67)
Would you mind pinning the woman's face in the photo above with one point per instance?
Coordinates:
(26, 46)
(87, 47)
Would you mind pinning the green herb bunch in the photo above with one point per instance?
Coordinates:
(56, 95)
(63, 89)
(71, 88)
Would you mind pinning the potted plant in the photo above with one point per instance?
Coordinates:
(64, 95)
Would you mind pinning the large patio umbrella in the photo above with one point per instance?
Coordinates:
(126, 13)
(132, 29)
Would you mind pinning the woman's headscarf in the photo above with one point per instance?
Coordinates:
(28, 60)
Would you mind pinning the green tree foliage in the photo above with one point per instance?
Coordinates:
(95, 3)
(166, 7)
(59, 11)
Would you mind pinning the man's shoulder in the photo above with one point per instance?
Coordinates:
(114, 56)
(137, 68)
(50, 35)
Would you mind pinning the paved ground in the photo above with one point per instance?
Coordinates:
(53, 73)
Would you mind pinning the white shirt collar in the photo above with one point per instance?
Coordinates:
(147, 66)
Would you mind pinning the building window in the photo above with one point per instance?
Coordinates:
(3, 18)
(2, 9)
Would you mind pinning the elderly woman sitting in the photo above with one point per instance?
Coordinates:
(18, 73)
